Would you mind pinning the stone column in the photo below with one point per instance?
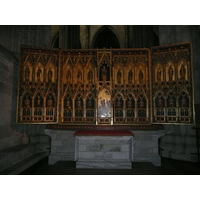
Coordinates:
(140, 36)
(69, 37)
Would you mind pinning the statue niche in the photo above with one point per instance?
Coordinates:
(159, 73)
(90, 77)
(104, 103)
(130, 76)
(104, 72)
(50, 75)
(119, 77)
(141, 76)
(39, 75)
(182, 72)
(170, 73)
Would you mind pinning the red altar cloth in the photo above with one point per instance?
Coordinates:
(103, 133)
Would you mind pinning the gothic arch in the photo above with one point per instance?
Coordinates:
(55, 41)
(105, 37)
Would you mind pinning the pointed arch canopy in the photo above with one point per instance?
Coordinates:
(105, 38)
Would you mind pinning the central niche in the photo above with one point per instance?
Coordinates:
(104, 104)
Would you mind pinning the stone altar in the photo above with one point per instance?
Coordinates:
(144, 144)
(104, 149)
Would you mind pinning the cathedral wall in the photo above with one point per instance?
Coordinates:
(88, 33)
(11, 37)
(180, 141)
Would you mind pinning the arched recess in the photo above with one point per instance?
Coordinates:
(55, 42)
(105, 37)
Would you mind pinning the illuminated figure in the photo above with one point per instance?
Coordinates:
(79, 104)
(90, 76)
(38, 103)
(159, 75)
(183, 102)
(68, 76)
(50, 75)
(182, 72)
(119, 76)
(68, 103)
(141, 104)
(79, 75)
(129, 104)
(171, 102)
(104, 73)
(49, 103)
(141, 76)
(27, 103)
(160, 103)
(130, 76)
(39, 74)
(170, 73)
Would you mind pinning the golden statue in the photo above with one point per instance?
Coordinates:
(119, 76)
(141, 76)
(170, 73)
(182, 72)
(159, 74)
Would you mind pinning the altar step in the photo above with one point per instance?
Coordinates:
(16, 159)
(104, 164)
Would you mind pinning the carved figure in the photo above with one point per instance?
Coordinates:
(38, 103)
(49, 103)
(104, 73)
(171, 102)
(141, 103)
(118, 104)
(89, 103)
(130, 76)
(79, 75)
(27, 103)
(39, 74)
(90, 76)
(159, 75)
(170, 73)
(68, 103)
(183, 102)
(50, 75)
(141, 76)
(129, 104)
(182, 72)
(79, 104)
(160, 103)
(68, 76)
(119, 76)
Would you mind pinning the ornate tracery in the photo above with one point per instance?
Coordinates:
(106, 86)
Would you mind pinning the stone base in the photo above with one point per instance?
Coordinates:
(104, 164)
(104, 152)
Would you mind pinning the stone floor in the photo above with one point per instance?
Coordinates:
(168, 167)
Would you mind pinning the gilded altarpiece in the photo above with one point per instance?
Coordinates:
(38, 86)
(106, 86)
(172, 80)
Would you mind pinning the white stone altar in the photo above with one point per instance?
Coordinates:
(109, 152)
(143, 147)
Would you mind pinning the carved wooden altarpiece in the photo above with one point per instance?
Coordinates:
(106, 86)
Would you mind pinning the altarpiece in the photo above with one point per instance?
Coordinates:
(106, 86)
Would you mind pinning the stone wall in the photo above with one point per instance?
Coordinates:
(179, 141)
(11, 37)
